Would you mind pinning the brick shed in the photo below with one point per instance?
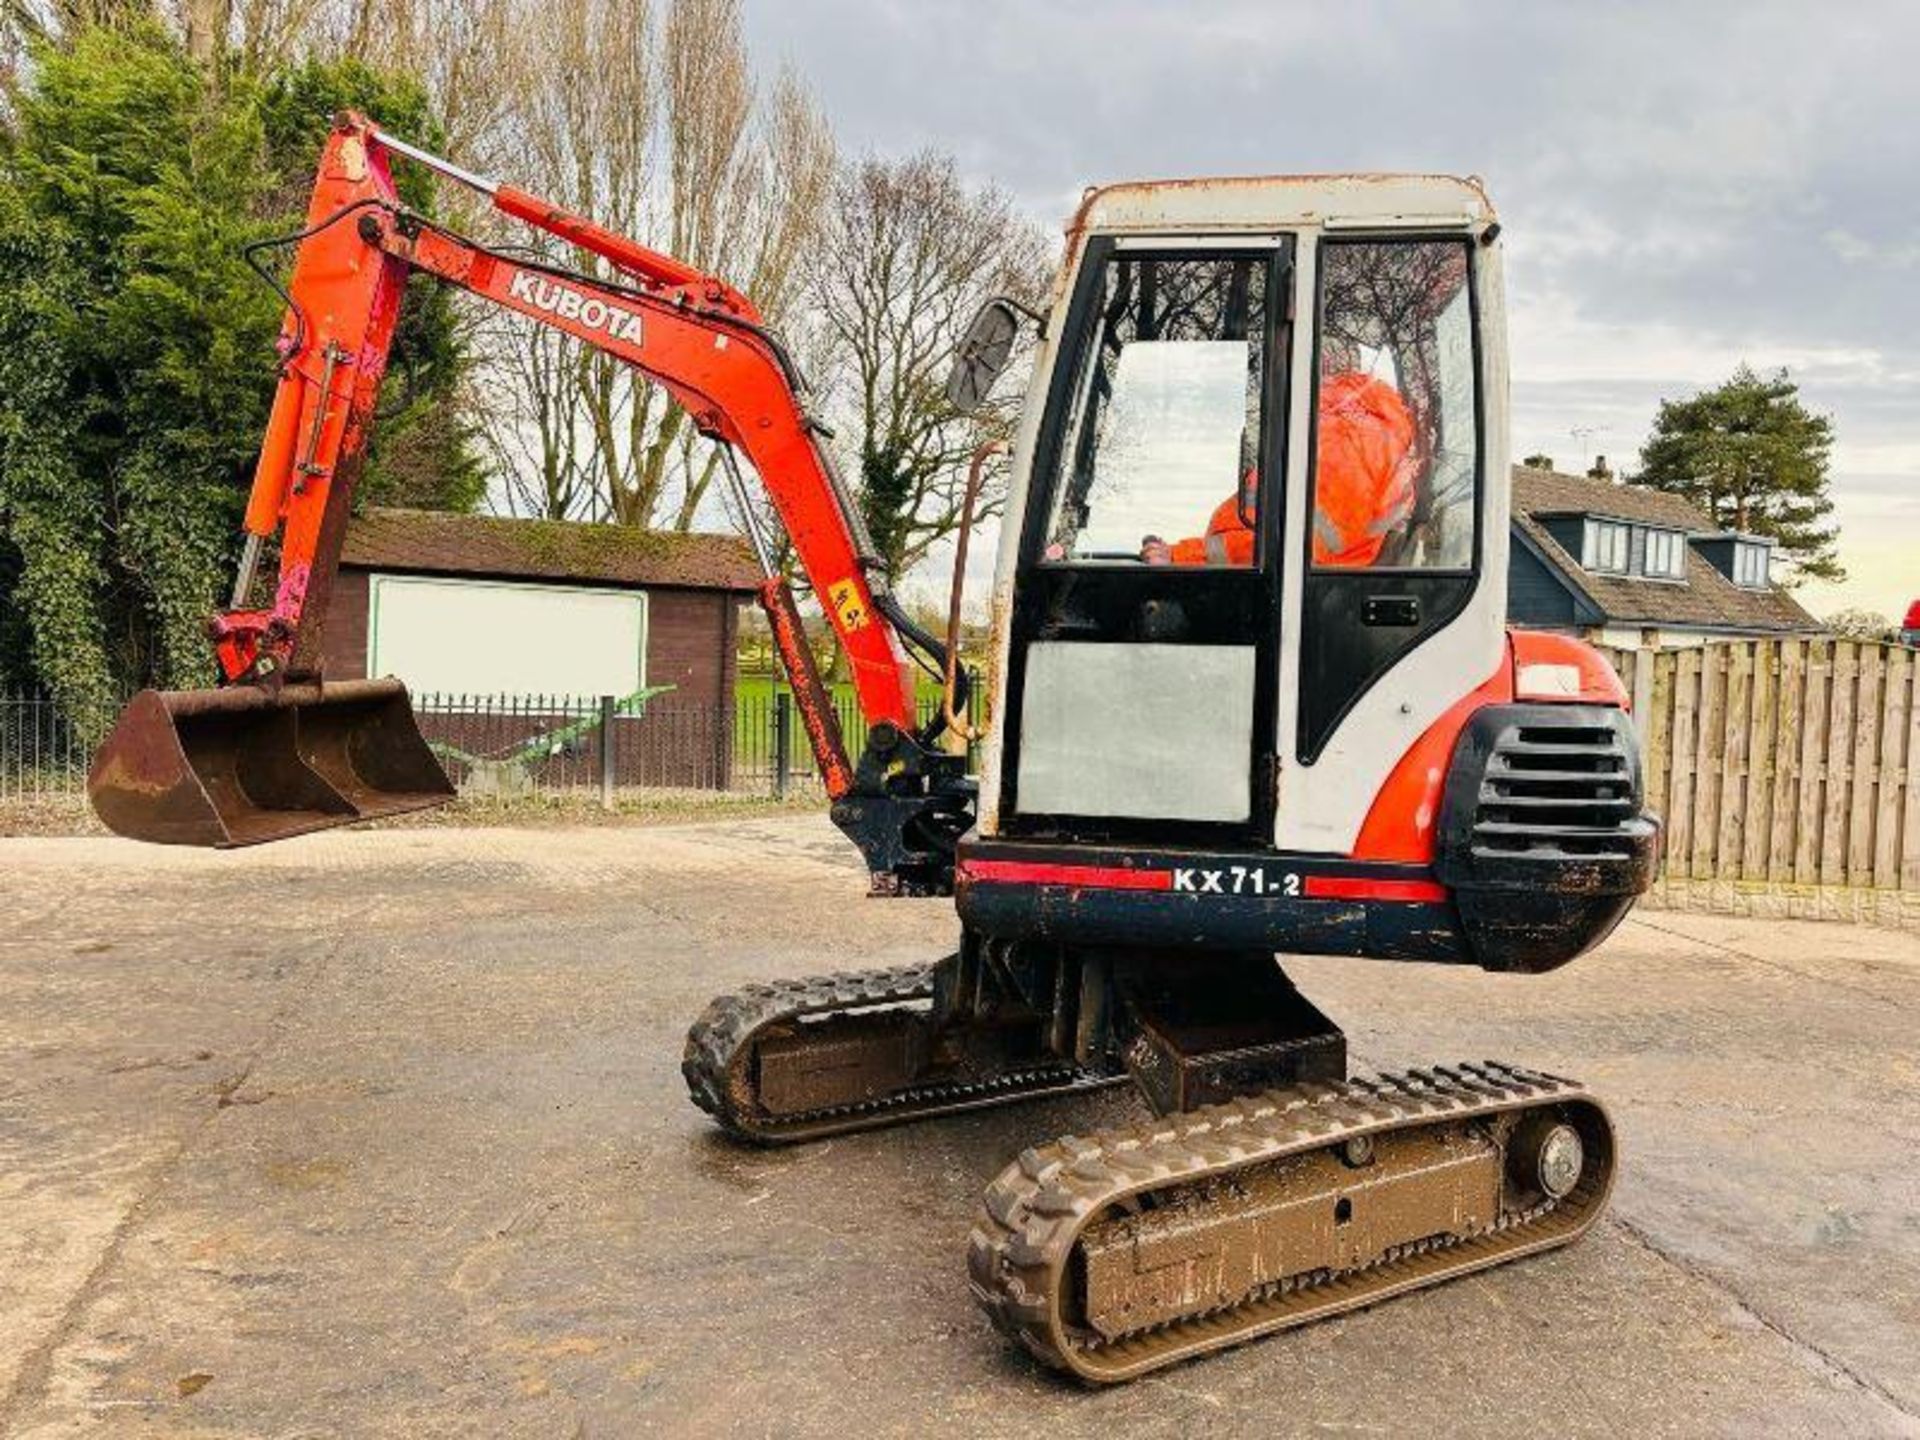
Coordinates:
(504, 609)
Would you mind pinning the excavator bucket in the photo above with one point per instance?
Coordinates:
(243, 765)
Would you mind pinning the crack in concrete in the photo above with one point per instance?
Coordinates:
(1826, 1359)
(31, 1380)
(1782, 966)
(36, 1370)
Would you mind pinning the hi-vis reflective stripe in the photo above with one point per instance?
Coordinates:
(1327, 533)
(1394, 518)
(1216, 548)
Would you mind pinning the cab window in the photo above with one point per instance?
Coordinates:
(1157, 461)
(1397, 445)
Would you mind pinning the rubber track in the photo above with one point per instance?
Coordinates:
(1035, 1211)
(722, 1039)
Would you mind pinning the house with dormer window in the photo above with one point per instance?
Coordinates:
(1636, 568)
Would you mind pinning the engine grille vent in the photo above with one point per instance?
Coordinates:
(1558, 792)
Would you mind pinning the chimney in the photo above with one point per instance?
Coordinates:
(1601, 470)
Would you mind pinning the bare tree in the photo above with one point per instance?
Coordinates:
(13, 55)
(206, 23)
(472, 56)
(909, 253)
(651, 121)
(28, 22)
(1859, 623)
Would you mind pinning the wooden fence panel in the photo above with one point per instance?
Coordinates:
(1863, 768)
(1757, 793)
(1837, 765)
(1896, 694)
(1813, 769)
(1709, 754)
(1686, 707)
(1785, 811)
(1793, 762)
(1756, 809)
(1657, 734)
(1736, 736)
(1782, 761)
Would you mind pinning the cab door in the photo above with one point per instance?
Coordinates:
(1399, 544)
(1143, 644)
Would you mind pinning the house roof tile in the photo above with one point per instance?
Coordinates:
(1708, 599)
(438, 543)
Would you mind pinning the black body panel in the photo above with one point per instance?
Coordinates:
(1299, 927)
(1356, 625)
(1542, 836)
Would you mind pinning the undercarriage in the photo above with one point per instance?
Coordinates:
(1271, 1190)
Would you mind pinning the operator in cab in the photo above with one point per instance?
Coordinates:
(1363, 491)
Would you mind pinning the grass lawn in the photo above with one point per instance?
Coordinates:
(757, 689)
(754, 718)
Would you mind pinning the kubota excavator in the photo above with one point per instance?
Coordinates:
(1316, 737)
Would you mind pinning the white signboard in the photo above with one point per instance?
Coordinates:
(484, 637)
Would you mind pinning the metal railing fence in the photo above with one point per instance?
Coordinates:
(507, 746)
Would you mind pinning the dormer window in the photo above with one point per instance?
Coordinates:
(1666, 555)
(1750, 567)
(1606, 545)
(1624, 547)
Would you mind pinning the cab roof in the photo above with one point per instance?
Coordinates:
(1276, 202)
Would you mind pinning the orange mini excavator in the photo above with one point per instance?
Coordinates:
(1318, 739)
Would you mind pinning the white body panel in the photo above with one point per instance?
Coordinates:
(1321, 806)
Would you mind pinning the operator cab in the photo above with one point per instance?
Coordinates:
(1255, 488)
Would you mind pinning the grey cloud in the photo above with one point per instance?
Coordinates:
(1735, 179)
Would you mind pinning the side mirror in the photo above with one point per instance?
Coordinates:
(983, 353)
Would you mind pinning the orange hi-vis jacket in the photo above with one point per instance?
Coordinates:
(1363, 485)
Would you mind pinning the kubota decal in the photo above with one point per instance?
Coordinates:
(569, 304)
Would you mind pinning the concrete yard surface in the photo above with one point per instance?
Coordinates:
(384, 1134)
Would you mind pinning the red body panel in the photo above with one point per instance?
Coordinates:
(1400, 824)
(347, 300)
(1100, 877)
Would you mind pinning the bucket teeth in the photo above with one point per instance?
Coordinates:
(245, 765)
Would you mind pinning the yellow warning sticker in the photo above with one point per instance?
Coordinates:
(844, 595)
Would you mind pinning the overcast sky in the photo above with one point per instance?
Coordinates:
(1683, 186)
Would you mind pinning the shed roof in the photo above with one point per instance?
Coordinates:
(1708, 600)
(438, 543)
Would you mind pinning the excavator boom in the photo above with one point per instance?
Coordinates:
(261, 757)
